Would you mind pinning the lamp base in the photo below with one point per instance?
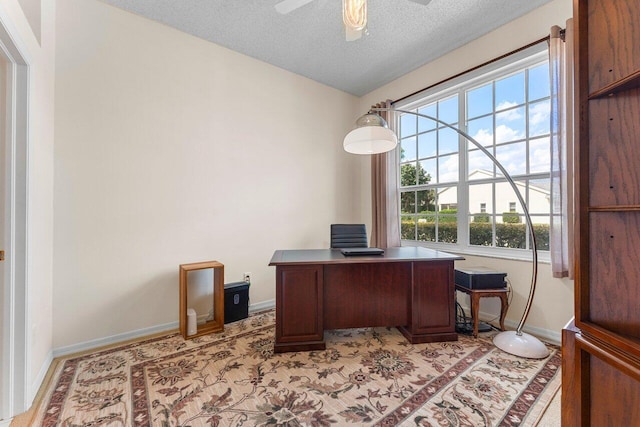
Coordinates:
(524, 345)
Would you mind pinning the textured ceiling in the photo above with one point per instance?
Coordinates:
(310, 41)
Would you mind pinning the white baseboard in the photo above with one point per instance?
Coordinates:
(113, 339)
(139, 333)
(37, 382)
(264, 305)
(5, 423)
(553, 337)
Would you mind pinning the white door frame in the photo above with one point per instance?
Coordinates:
(15, 352)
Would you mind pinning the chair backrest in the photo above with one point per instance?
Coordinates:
(349, 236)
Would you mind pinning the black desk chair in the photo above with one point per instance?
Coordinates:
(349, 236)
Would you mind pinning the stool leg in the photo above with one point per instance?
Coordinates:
(503, 309)
(475, 300)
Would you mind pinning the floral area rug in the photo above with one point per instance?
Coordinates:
(365, 377)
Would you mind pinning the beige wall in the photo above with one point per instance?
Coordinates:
(553, 305)
(171, 150)
(166, 153)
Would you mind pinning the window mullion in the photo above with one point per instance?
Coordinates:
(463, 184)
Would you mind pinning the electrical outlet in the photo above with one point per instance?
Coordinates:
(247, 277)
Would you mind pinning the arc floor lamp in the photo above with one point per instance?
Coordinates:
(372, 135)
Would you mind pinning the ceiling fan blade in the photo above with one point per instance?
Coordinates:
(422, 2)
(286, 6)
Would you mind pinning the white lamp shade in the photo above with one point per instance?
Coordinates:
(370, 140)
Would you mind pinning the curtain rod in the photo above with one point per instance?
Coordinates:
(542, 40)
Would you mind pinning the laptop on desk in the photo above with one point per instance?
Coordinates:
(361, 251)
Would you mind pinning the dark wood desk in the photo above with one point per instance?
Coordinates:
(410, 288)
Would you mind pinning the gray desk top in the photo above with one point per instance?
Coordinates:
(334, 256)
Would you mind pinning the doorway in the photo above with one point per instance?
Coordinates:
(14, 323)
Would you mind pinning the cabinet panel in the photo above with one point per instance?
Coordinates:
(614, 149)
(364, 295)
(614, 395)
(613, 295)
(434, 298)
(614, 51)
(299, 316)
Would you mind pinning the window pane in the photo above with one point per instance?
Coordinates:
(408, 202)
(480, 101)
(539, 155)
(480, 194)
(447, 141)
(447, 230)
(427, 171)
(426, 224)
(426, 201)
(481, 130)
(539, 86)
(426, 230)
(510, 91)
(426, 124)
(505, 197)
(427, 146)
(511, 227)
(510, 125)
(511, 234)
(408, 149)
(539, 118)
(480, 166)
(481, 224)
(541, 228)
(407, 125)
(513, 157)
(448, 110)
(407, 174)
(447, 226)
(448, 168)
(408, 227)
(539, 203)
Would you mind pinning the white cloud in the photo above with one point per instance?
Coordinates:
(449, 169)
(484, 137)
(504, 133)
(539, 113)
(513, 114)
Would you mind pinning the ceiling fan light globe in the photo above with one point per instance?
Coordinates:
(354, 14)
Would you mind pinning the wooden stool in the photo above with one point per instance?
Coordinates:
(476, 294)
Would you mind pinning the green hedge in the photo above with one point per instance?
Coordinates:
(480, 233)
(445, 215)
(511, 218)
(481, 217)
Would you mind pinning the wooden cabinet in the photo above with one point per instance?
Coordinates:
(299, 303)
(601, 350)
(433, 308)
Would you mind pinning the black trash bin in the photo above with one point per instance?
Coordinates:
(236, 301)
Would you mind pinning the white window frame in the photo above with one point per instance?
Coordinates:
(513, 63)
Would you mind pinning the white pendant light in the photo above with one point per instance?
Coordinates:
(371, 136)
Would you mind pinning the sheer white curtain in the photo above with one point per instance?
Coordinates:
(385, 224)
(562, 132)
